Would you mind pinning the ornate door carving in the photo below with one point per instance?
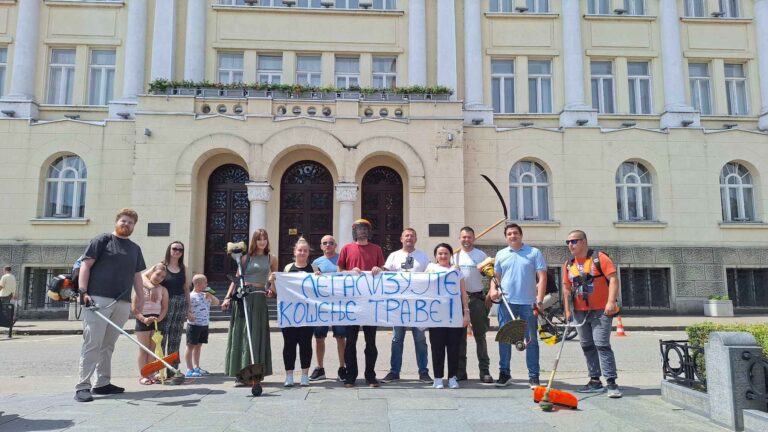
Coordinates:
(306, 208)
(383, 206)
(227, 217)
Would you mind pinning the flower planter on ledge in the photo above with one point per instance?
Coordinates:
(718, 308)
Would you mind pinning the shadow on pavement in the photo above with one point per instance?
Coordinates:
(12, 422)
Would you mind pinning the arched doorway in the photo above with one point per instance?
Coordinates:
(306, 208)
(383, 206)
(227, 217)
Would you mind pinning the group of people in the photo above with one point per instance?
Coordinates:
(113, 266)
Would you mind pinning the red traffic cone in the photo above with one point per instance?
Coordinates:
(620, 328)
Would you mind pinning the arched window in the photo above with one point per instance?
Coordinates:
(736, 193)
(65, 188)
(528, 192)
(634, 193)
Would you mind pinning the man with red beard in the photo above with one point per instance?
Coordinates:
(111, 267)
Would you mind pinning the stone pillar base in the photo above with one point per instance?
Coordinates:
(22, 108)
(123, 109)
(762, 122)
(578, 117)
(676, 119)
(478, 115)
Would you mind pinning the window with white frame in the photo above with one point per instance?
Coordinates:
(384, 4)
(598, 7)
(634, 192)
(602, 87)
(701, 92)
(639, 77)
(347, 4)
(3, 66)
(502, 5)
(537, 6)
(730, 8)
(503, 85)
(308, 70)
(65, 188)
(528, 191)
(232, 2)
(347, 72)
(634, 7)
(384, 72)
(61, 76)
(230, 67)
(695, 8)
(736, 89)
(540, 86)
(101, 77)
(270, 69)
(736, 193)
(377, 4)
(308, 3)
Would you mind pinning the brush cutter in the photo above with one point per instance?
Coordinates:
(515, 330)
(178, 377)
(253, 373)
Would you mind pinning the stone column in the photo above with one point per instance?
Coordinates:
(135, 60)
(194, 48)
(259, 194)
(417, 43)
(21, 98)
(761, 28)
(475, 110)
(576, 112)
(676, 110)
(164, 40)
(346, 195)
(446, 45)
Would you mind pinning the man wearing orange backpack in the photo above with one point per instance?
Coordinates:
(590, 282)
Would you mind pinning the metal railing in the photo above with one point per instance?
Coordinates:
(683, 364)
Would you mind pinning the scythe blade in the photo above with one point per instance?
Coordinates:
(498, 194)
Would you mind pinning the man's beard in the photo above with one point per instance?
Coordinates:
(123, 231)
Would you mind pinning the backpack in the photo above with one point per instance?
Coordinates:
(64, 287)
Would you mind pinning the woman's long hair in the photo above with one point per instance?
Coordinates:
(153, 293)
(167, 260)
(258, 234)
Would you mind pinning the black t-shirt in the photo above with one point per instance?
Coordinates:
(116, 262)
(174, 283)
(295, 269)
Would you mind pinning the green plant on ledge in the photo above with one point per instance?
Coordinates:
(161, 86)
(718, 297)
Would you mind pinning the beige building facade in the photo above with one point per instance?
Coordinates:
(641, 122)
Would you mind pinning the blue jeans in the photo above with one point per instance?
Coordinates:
(419, 340)
(523, 312)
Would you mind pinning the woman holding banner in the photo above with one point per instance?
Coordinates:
(298, 336)
(258, 269)
(447, 339)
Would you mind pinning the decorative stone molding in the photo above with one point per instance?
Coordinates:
(259, 191)
(346, 192)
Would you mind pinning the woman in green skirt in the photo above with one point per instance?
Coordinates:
(258, 269)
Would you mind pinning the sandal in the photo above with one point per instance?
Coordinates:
(145, 381)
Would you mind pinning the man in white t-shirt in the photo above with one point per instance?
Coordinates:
(411, 260)
(468, 258)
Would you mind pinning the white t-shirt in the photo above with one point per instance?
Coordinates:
(396, 259)
(437, 268)
(467, 262)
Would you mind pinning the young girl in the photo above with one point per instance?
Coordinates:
(444, 339)
(301, 336)
(154, 310)
(197, 327)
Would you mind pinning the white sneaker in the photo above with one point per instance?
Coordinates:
(453, 382)
(438, 384)
(304, 380)
(288, 381)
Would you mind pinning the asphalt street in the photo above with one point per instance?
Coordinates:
(39, 373)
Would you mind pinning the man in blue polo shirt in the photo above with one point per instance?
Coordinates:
(518, 268)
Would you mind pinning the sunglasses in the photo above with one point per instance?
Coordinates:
(177, 249)
(328, 243)
(572, 242)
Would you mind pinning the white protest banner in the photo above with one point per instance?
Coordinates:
(388, 299)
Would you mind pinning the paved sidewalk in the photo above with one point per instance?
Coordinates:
(631, 323)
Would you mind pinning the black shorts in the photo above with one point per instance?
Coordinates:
(197, 334)
(141, 327)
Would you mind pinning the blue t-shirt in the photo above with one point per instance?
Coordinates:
(326, 265)
(518, 273)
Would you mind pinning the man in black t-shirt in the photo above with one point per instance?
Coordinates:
(111, 267)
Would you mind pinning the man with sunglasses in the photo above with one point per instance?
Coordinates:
(327, 264)
(590, 282)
